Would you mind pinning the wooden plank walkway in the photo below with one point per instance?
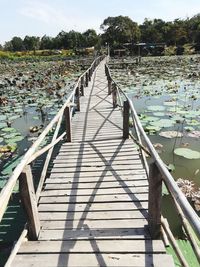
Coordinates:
(94, 205)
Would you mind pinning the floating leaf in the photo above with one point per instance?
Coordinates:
(14, 139)
(171, 134)
(8, 129)
(156, 108)
(3, 117)
(163, 123)
(187, 153)
(3, 125)
(195, 134)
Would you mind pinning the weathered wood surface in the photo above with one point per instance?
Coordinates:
(94, 205)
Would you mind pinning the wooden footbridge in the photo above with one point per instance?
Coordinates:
(100, 203)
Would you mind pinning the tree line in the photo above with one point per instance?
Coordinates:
(117, 31)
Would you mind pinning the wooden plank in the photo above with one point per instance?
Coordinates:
(117, 174)
(98, 199)
(118, 150)
(86, 217)
(87, 234)
(98, 185)
(94, 224)
(133, 224)
(102, 246)
(95, 179)
(100, 143)
(106, 156)
(92, 145)
(115, 206)
(117, 160)
(94, 192)
(94, 164)
(93, 260)
(96, 168)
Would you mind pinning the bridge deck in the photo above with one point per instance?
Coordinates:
(94, 205)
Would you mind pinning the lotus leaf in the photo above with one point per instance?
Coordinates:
(156, 108)
(172, 103)
(3, 125)
(159, 114)
(3, 117)
(8, 129)
(163, 123)
(187, 153)
(195, 134)
(152, 128)
(150, 118)
(189, 128)
(171, 134)
(14, 139)
(8, 168)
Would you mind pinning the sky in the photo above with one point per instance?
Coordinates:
(40, 17)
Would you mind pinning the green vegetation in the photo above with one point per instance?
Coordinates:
(181, 36)
(187, 251)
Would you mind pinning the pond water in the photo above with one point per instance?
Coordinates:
(166, 94)
(30, 95)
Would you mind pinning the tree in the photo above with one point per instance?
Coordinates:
(120, 30)
(90, 38)
(16, 44)
(47, 42)
(31, 42)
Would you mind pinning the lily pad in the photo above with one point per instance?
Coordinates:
(171, 134)
(3, 117)
(163, 123)
(3, 125)
(187, 153)
(8, 129)
(156, 108)
(14, 139)
(195, 134)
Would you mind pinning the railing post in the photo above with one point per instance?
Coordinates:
(78, 98)
(90, 74)
(154, 206)
(109, 85)
(126, 120)
(114, 95)
(28, 198)
(68, 124)
(86, 79)
(82, 86)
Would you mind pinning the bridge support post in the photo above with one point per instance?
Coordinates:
(78, 98)
(90, 74)
(28, 197)
(126, 120)
(114, 95)
(68, 123)
(86, 79)
(82, 86)
(154, 206)
(109, 85)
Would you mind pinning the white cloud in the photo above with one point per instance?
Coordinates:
(44, 13)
